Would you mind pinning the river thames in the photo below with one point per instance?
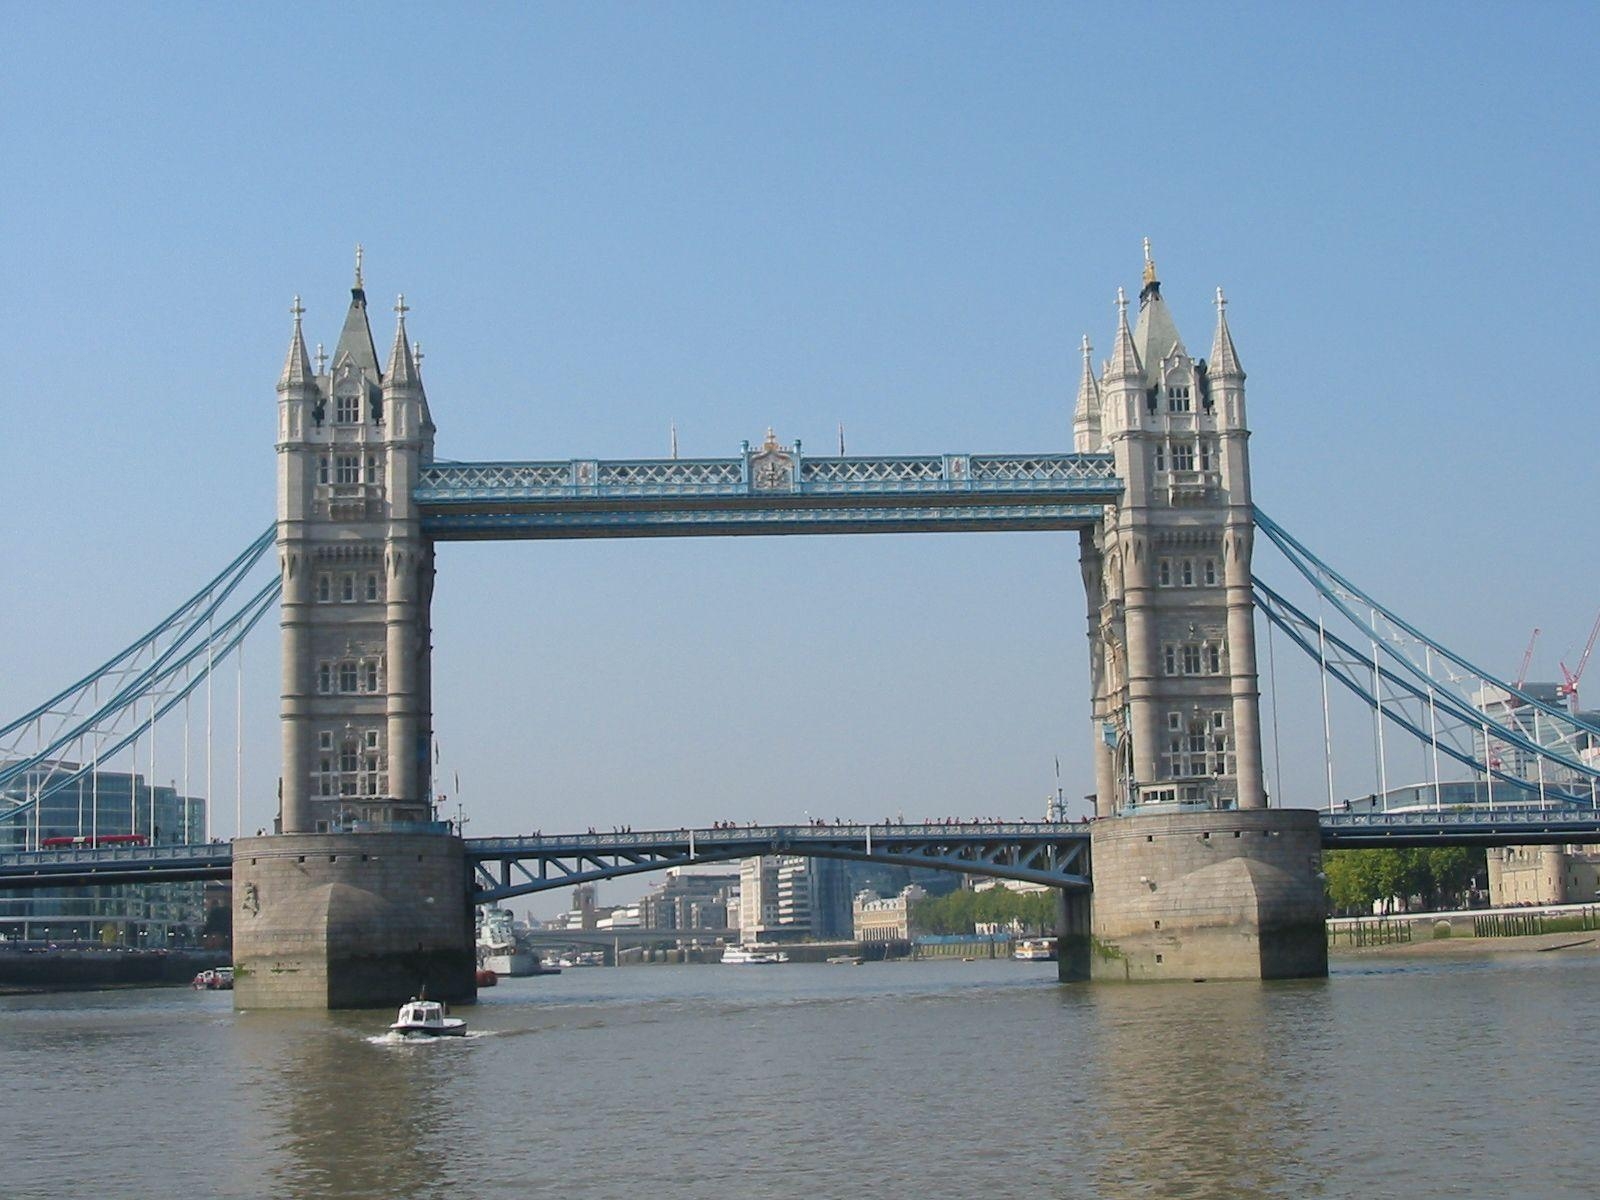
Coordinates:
(1397, 1077)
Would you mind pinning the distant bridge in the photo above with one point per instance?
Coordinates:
(1055, 853)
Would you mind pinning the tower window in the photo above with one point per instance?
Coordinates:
(347, 408)
(1169, 655)
(1188, 573)
(347, 588)
(1208, 454)
(324, 588)
(322, 469)
(1164, 572)
(1211, 572)
(370, 680)
(1182, 457)
(325, 740)
(1178, 398)
(347, 468)
(1191, 659)
(1161, 456)
(372, 586)
(1214, 659)
(347, 676)
(324, 678)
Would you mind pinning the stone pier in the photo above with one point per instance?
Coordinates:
(1231, 894)
(351, 920)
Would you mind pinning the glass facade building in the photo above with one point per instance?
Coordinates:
(96, 806)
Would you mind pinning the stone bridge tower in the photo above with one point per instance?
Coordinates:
(357, 581)
(1167, 574)
(1194, 877)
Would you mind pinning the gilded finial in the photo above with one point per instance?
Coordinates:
(1149, 265)
(1122, 302)
(358, 265)
(298, 310)
(1086, 349)
(401, 308)
(1222, 301)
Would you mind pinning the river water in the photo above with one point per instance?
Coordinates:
(1397, 1077)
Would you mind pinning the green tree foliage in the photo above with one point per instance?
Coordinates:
(961, 911)
(1437, 878)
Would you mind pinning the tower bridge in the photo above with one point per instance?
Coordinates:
(1193, 874)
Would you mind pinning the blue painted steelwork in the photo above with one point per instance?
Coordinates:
(115, 864)
(58, 742)
(772, 490)
(1460, 827)
(1053, 853)
(1352, 667)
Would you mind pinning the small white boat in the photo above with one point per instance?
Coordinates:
(749, 956)
(426, 1018)
(1036, 950)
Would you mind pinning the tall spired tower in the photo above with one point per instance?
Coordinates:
(357, 580)
(1167, 574)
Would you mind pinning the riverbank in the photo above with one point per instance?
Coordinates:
(93, 969)
(1475, 947)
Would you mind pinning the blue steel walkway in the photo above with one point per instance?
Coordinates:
(1054, 853)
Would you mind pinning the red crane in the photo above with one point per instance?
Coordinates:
(1569, 679)
(1527, 657)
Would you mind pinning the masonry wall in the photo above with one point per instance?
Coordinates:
(1205, 895)
(351, 920)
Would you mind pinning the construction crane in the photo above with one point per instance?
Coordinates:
(1569, 679)
(1527, 657)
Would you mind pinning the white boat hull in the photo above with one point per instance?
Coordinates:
(514, 964)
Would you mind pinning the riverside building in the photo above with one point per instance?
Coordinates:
(95, 806)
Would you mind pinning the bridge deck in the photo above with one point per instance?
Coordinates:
(1054, 853)
(771, 492)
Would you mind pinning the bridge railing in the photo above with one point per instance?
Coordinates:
(630, 479)
(740, 835)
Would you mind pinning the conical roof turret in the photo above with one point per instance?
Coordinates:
(297, 366)
(1125, 364)
(1156, 335)
(355, 339)
(1086, 416)
(402, 367)
(1224, 358)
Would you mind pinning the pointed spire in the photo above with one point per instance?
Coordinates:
(1086, 416)
(297, 367)
(1124, 362)
(355, 339)
(402, 367)
(1088, 386)
(1224, 358)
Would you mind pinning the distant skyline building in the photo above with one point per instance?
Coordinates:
(97, 805)
(787, 896)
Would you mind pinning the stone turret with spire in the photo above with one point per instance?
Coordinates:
(357, 579)
(1171, 611)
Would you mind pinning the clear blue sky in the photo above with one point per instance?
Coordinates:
(610, 218)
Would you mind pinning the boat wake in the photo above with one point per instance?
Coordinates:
(395, 1038)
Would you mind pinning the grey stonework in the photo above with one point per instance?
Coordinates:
(357, 583)
(1174, 698)
(1200, 895)
(351, 920)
